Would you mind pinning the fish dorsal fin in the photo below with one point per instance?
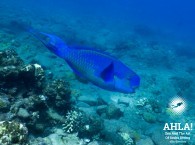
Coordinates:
(90, 49)
(78, 47)
(108, 73)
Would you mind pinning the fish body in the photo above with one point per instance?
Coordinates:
(97, 67)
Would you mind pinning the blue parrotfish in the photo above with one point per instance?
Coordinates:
(95, 66)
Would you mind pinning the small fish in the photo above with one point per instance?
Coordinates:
(97, 67)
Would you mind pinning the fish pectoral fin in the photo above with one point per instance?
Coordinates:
(108, 73)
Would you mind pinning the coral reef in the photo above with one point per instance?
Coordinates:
(26, 95)
(73, 121)
(10, 58)
(13, 133)
(33, 75)
(87, 126)
(59, 94)
(15, 75)
(112, 112)
(149, 109)
(91, 127)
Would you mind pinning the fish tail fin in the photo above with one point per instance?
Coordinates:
(36, 34)
(39, 35)
(26, 27)
(52, 42)
(20, 26)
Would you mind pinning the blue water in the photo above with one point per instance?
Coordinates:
(155, 38)
(170, 17)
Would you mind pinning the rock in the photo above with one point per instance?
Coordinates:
(32, 74)
(89, 110)
(146, 141)
(55, 139)
(162, 118)
(121, 99)
(113, 137)
(156, 106)
(94, 143)
(58, 95)
(118, 138)
(51, 113)
(4, 103)
(158, 137)
(113, 125)
(101, 109)
(91, 126)
(39, 128)
(10, 58)
(14, 74)
(23, 113)
(9, 73)
(125, 100)
(112, 112)
(148, 107)
(38, 141)
(60, 138)
(90, 100)
(141, 102)
(82, 104)
(149, 117)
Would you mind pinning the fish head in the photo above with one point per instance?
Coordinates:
(127, 84)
